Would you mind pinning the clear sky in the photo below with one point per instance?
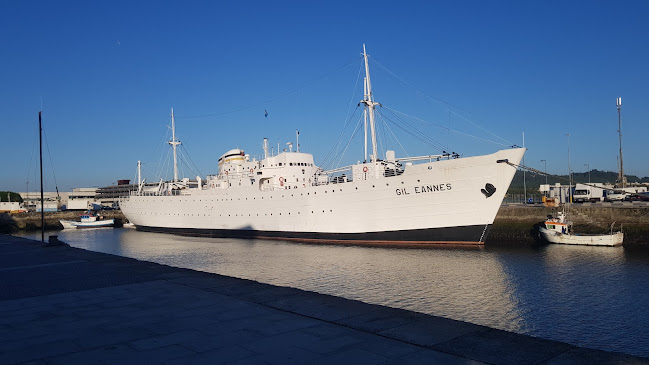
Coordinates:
(107, 73)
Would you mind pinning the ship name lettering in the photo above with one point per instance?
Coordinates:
(402, 191)
(425, 189)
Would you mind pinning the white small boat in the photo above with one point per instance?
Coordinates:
(88, 220)
(559, 230)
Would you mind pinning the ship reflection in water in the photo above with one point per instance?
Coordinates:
(587, 296)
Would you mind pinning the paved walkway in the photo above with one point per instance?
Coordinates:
(62, 305)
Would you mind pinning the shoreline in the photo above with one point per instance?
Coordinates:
(514, 224)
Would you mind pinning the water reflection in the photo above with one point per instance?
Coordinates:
(588, 296)
(456, 283)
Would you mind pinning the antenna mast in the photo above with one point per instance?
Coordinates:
(173, 144)
(370, 104)
(620, 177)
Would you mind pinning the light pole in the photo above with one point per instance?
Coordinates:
(545, 169)
(618, 102)
(569, 171)
(588, 167)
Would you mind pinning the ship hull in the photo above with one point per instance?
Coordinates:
(449, 201)
(466, 235)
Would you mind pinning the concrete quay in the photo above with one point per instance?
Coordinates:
(62, 305)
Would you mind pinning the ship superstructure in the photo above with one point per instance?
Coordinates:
(415, 200)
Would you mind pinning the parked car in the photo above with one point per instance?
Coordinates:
(616, 195)
(638, 197)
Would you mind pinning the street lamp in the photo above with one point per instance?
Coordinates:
(545, 169)
(588, 168)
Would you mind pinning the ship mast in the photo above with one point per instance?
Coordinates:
(139, 175)
(365, 122)
(369, 104)
(173, 144)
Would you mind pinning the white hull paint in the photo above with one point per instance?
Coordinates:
(445, 194)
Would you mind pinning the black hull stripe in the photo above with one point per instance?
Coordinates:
(466, 235)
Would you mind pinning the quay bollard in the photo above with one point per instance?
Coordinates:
(54, 241)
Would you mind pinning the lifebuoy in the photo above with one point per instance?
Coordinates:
(281, 181)
(365, 169)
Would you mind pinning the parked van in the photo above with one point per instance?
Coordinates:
(588, 193)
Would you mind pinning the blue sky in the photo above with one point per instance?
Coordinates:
(108, 73)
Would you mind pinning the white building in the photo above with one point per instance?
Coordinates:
(82, 199)
(10, 207)
(557, 191)
(32, 201)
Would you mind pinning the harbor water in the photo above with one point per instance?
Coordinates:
(593, 297)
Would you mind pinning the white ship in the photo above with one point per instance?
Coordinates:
(414, 200)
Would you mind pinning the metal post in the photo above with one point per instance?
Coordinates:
(297, 141)
(40, 144)
(588, 167)
(619, 121)
(524, 183)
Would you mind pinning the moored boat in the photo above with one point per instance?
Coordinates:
(88, 220)
(559, 230)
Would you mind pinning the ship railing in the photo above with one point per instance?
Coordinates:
(156, 193)
(429, 158)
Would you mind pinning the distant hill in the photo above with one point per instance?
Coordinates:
(533, 181)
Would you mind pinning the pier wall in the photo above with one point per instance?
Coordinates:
(31, 221)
